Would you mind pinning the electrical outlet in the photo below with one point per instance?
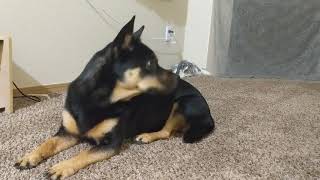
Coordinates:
(169, 34)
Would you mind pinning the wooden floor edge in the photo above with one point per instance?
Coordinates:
(45, 89)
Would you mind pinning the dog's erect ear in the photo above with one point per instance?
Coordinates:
(124, 37)
(138, 33)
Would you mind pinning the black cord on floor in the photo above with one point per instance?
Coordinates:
(33, 98)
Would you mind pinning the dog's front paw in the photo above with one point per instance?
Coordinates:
(62, 170)
(28, 161)
(144, 138)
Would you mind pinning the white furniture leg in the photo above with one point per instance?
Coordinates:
(6, 94)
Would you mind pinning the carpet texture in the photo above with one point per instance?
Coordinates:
(266, 129)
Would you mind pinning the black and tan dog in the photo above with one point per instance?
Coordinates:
(122, 93)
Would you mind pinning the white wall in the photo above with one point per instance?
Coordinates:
(54, 39)
(198, 31)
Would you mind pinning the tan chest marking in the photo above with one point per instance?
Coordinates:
(101, 129)
(69, 123)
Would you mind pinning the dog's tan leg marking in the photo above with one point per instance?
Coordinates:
(101, 129)
(175, 122)
(120, 93)
(48, 148)
(69, 123)
(52, 145)
(71, 166)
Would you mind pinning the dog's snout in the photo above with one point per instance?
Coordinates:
(162, 82)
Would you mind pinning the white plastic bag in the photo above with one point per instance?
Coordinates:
(188, 69)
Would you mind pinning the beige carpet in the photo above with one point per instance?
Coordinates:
(265, 129)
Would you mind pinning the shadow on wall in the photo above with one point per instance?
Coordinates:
(167, 9)
(22, 78)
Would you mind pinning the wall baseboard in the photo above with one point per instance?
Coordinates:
(47, 89)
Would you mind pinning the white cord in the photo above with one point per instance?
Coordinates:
(100, 15)
(116, 29)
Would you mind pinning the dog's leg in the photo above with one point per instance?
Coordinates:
(108, 134)
(65, 138)
(175, 122)
(71, 166)
(50, 147)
